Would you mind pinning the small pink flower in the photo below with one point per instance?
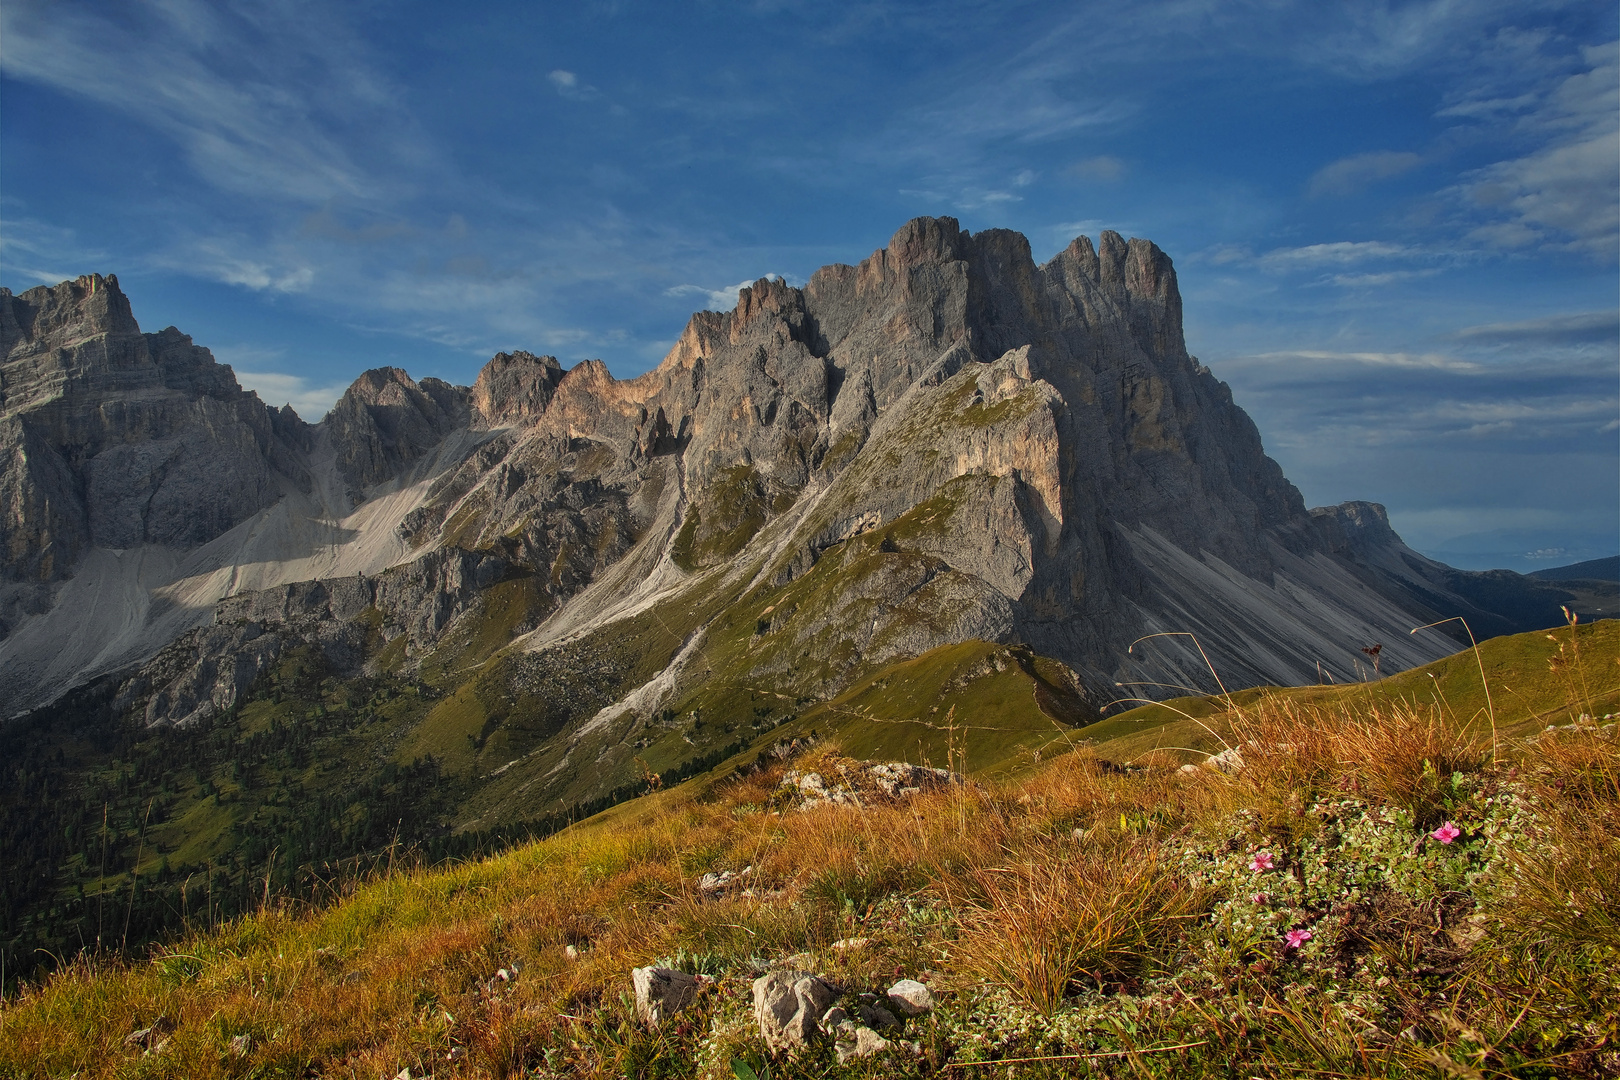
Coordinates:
(1259, 898)
(1447, 832)
(1296, 938)
(1261, 861)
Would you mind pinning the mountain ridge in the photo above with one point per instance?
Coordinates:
(1098, 476)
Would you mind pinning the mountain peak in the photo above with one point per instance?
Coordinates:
(515, 387)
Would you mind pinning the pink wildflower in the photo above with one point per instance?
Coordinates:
(1296, 938)
(1261, 861)
(1447, 832)
(1259, 898)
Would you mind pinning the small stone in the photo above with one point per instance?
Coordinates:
(661, 993)
(911, 997)
(241, 1045)
(850, 944)
(713, 884)
(571, 952)
(789, 1006)
(861, 1042)
(875, 1015)
(148, 1036)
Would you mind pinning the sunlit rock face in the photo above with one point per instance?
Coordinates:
(946, 441)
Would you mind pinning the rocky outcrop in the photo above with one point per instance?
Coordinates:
(515, 388)
(852, 783)
(386, 422)
(208, 670)
(115, 438)
(662, 992)
(789, 1007)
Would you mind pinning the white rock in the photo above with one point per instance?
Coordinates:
(661, 993)
(712, 884)
(861, 1042)
(789, 1006)
(911, 997)
(898, 778)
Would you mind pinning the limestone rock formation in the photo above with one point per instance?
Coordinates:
(661, 993)
(944, 442)
(789, 1007)
(515, 388)
(386, 422)
(117, 438)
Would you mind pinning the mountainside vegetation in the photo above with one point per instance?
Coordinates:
(1413, 875)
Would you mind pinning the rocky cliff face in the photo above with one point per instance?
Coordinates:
(386, 422)
(117, 438)
(943, 442)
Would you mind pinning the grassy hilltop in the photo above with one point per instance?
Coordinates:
(1401, 877)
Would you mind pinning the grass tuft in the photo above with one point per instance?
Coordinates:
(1055, 923)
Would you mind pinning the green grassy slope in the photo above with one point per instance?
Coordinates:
(1533, 680)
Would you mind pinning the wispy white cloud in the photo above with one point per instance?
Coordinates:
(1565, 191)
(1350, 174)
(568, 85)
(1569, 329)
(1336, 253)
(719, 299)
(234, 262)
(1339, 360)
(268, 100)
(254, 371)
(44, 254)
(1377, 280)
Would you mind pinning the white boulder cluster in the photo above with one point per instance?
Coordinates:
(793, 1008)
(861, 783)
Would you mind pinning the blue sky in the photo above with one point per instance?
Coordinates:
(1395, 223)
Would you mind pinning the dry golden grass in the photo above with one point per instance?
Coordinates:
(1055, 921)
(1045, 887)
(1399, 756)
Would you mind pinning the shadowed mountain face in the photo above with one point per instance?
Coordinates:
(117, 438)
(946, 442)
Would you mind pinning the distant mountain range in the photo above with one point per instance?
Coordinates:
(1590, 570)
